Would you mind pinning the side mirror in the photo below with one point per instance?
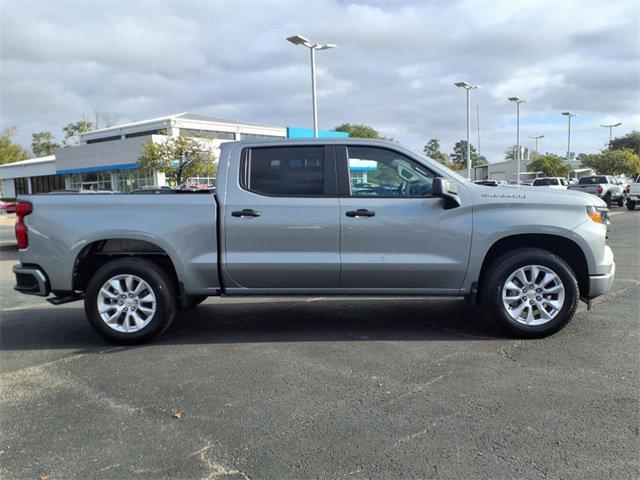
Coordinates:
(448, 190)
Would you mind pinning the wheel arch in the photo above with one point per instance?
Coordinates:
(564, 247)
(98, 252)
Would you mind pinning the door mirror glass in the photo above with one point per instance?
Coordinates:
(448, 190)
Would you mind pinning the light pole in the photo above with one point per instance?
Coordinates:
(569, 115)
(518, 101)
(468, 88)
(537, 138)
(299, 40)
(610, 127)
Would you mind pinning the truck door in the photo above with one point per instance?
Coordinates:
(394, 234)
(281, 224)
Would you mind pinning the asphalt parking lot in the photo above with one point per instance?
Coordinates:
(324, 388)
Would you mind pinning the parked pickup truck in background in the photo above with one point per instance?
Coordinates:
(633, 194)
(606, 187)
(317, 217)
(551, 182)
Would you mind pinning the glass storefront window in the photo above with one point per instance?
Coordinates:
(47, 183)
(91, 181)
(129, 180)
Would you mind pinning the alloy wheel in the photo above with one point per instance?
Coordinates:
(533, 295)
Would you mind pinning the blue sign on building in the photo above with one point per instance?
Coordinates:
(297, 132)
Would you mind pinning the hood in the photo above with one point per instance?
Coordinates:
(542, 195)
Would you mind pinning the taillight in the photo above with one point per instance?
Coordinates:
(627, 190)
(600, 189)
(22, 210)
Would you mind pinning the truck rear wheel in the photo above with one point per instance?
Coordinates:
(631, 205)
(530, 293)
(130, 301)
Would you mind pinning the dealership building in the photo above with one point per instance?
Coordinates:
(106, 159)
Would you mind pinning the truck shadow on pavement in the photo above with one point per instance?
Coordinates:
(264, 320)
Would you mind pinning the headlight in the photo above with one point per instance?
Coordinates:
(598, 214)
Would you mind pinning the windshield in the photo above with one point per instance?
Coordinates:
(448, 171)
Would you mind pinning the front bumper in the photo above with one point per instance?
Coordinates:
(601, 284)
(31, 280)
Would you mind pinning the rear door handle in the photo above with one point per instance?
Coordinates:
(362, 212)
(247, 212)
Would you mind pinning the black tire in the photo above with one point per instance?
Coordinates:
(631, 205)
(192, 302)
(498, 273)
(160, 283)
(621, 201)
(607, 199)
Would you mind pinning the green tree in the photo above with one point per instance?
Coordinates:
(614, 162)
(358, 131)
(510, 153)
(73, 130)
(550, 165)
(43, 143)
(432, 150)
(178, 158)
(631, 141)
(9, 151)
(459, 156)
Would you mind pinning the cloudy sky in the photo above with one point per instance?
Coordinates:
(393, 69)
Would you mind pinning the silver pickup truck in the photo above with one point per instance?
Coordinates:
(608, 188)
(317, 217)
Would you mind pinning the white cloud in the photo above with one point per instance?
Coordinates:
(393, 69)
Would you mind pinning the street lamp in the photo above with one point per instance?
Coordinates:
(537, 138)
(569, 115)
(518, 101)
(468, 88)
(610, 127)
(299, 40)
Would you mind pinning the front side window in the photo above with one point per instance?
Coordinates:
(290, 171)
(378, 172)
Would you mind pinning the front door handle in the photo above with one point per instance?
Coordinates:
(362, 212)
(247, 212)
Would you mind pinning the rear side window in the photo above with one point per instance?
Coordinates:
(541, 182)
(592, 180)
(287, 172)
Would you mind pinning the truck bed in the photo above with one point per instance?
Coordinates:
(182, 225)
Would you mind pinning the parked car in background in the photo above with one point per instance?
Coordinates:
(303, 218)
(633, 194)
(604, 186)
(7, 207)
(551, 182)
(487, 183)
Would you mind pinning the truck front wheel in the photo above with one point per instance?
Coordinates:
(130, 301)
(530, 293)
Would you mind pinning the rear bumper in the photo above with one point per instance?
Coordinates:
(601, 284)
(31, 280)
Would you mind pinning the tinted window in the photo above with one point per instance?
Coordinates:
(592, 180)
(290, 171)
(542, 182)
(377, 172)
